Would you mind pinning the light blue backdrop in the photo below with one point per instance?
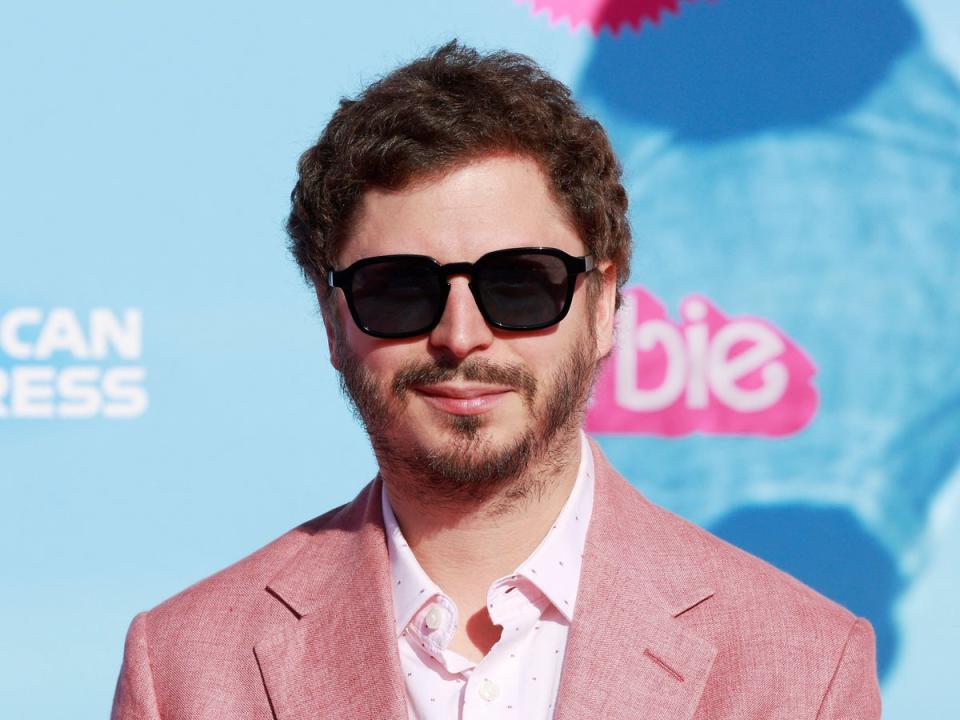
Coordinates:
(794, 161)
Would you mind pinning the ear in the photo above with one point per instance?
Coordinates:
(606, 309)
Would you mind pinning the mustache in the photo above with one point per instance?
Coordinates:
(475, 369)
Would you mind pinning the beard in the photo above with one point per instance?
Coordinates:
(468, 467)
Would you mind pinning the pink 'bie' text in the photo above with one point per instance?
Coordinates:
(708, 373)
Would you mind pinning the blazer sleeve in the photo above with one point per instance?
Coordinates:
(854, 692)
(135, 697)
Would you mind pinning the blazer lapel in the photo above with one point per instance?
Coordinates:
(340, 660)
(628, 655)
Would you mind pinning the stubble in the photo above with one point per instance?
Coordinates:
(468, 468)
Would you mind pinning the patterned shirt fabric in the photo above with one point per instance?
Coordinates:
(534, 605)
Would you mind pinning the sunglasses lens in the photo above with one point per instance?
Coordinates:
(523, 291)
(397, 297)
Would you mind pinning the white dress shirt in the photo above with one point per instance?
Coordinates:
(520, 675)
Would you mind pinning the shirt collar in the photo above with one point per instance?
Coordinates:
(554, 567)
(412, 587)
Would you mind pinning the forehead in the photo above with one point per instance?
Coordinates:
(496, 202)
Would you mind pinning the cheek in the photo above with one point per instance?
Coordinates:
(382, 359)
(548, 350)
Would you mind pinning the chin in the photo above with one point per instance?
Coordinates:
(466, 433)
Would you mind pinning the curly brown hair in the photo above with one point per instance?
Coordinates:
(439, 112)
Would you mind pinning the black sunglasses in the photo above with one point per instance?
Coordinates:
(400, 296)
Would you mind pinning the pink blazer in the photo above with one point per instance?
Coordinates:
(671, 624)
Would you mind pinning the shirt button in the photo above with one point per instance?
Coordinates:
(434, 618)
(488, 691)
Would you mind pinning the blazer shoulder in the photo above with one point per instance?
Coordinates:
(752, 584)
(773, 630)
(195, 650)
(741, 584)
(769, 629)
(237, 595)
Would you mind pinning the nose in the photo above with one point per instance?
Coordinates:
(462, 329)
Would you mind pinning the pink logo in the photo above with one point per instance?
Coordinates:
(709, 373)
(613, 14)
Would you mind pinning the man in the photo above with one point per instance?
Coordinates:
(465, 229)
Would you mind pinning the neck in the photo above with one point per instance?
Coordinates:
(464, 547)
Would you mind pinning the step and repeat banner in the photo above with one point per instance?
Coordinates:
(786, 371)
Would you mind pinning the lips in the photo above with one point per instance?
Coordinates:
(466, 399)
